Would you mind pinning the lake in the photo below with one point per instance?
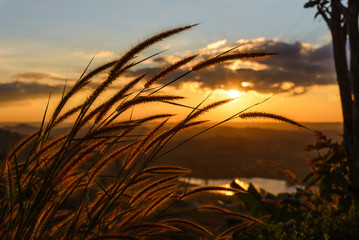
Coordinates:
(274, 186)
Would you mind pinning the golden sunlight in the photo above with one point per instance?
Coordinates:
(246, 84)
(233, 93)
(242, 184)
(228, 193)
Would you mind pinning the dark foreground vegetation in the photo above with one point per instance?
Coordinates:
(342, 19)
(322, 209)
(102, 179)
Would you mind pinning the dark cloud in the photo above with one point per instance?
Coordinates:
(297, 56)
(161, 60)
(16, 91)
(297, 67)
(36, 76)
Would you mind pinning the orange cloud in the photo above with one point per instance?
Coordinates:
(216, 44)
(99, 54)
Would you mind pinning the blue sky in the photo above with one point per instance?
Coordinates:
(57, 38)
(43, 32)
(105, 22)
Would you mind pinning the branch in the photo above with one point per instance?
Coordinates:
(324, 15)
(344, 10)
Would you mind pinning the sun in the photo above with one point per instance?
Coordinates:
(233, 93)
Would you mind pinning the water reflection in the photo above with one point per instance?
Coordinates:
(274, 186)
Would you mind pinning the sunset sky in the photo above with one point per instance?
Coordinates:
(45, 43)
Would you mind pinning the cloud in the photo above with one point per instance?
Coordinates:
(99, 54)
(163, 60)
(15, 91)
(217, 44)
(104, 54)
(36, 76)
(78, 53)
(297, 67)
(4, 60)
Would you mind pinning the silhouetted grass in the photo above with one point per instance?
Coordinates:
(61, 190)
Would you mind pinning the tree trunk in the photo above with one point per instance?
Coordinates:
(343, 23)
(348, 82)
(351, 19)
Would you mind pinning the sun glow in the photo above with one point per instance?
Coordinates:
(240, 183)
(233, 93)
(247, 84)
(228, 193)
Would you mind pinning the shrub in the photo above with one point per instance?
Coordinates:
(323, 209)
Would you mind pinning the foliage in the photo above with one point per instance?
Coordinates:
(342, 20)
(322, 209)
(312, 226)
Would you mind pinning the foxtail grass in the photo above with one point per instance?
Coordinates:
(102, 182)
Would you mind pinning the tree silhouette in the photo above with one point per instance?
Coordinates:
(342, 21)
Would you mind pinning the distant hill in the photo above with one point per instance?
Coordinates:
(7, 139)
(27, 128)
(21, 128)
(227, 151)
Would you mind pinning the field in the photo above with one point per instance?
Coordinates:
(233, 150)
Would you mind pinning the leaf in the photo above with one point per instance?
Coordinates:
(253, 191)
(253, 202)
(255, 207)
(311, 4)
